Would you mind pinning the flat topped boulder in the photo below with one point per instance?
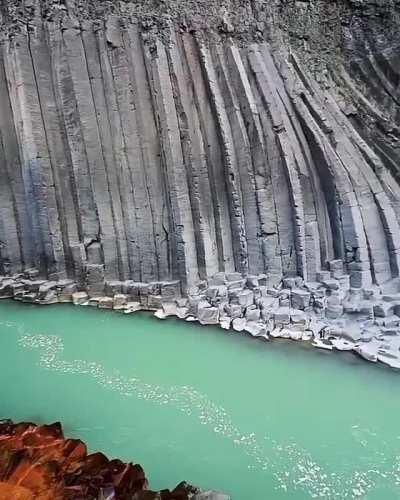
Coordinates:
(208, 315)
(120, 300)
(239, 324)
(300, 299)
(282, 315)
(368, 351)
(233, 276)
(246, 298)
(79, 298)
(170, 289)
(106, 303)
(217, 280)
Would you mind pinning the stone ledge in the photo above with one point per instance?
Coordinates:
(327, 313)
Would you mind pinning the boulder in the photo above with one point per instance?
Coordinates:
(334, 311)
(255, 329)
(300, 299)
(160, 314)
(273, 292)
(182, 302)
(169, 308)
(225, 322)
(351, 307)
(307, 335)
(106, 302)
(120, 301)
(222, 292)
(282, 316)
(296, 334)
(322, 344)
(182, 312)
(217, 280)
(383, 309)
(233, 276)
(252, 313)
(391, 321)
(46, 287)
(392, 297)
(170, 289)
(352, 332)
(297, 317)
(368, 351)
(336, 268)
(239, 324)
(154, 301)
(344, 281)
(342, 345)
(275, 333)
(267, 303)
(112, 288)
(322, 276)
(252, 282)
(208, 315)
(51, 297)
(233, 310)
(28, 298)
(389, 358)
(246, 298)
(289, 283)
(361, 279)
(212, 293)
(79, 298)
(132, 307)
(331, 284)
(94, 301)
(320, 303)
(236, 285)
(31, 273)
(33, 286)
(366, 309)
(191, 319)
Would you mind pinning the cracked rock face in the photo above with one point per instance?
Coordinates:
(171, 140)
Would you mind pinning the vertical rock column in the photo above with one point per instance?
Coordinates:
(37, 165)
(184, 245)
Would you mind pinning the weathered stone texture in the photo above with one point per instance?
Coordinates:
(169, 143)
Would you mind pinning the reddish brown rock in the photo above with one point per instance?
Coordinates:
(37, 462)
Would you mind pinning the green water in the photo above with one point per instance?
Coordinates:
(257, 420)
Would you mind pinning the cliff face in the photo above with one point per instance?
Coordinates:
(175, 139)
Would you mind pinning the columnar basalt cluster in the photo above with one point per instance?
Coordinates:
(155, 153)
(167, 142)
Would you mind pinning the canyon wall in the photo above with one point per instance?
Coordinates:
(158, 140)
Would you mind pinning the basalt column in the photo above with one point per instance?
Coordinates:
(131, 150)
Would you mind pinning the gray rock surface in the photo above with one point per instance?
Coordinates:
(359, 325)
(171, 141)
(244, 156)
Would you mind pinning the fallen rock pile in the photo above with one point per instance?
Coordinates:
(329, 313)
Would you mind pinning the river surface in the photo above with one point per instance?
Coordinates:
(257, 420)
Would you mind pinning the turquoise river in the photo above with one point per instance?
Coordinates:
(258, 420)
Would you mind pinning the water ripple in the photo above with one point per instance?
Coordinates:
(292, 467)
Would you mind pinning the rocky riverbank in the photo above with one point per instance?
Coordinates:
(38, 463)
(328, 313)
